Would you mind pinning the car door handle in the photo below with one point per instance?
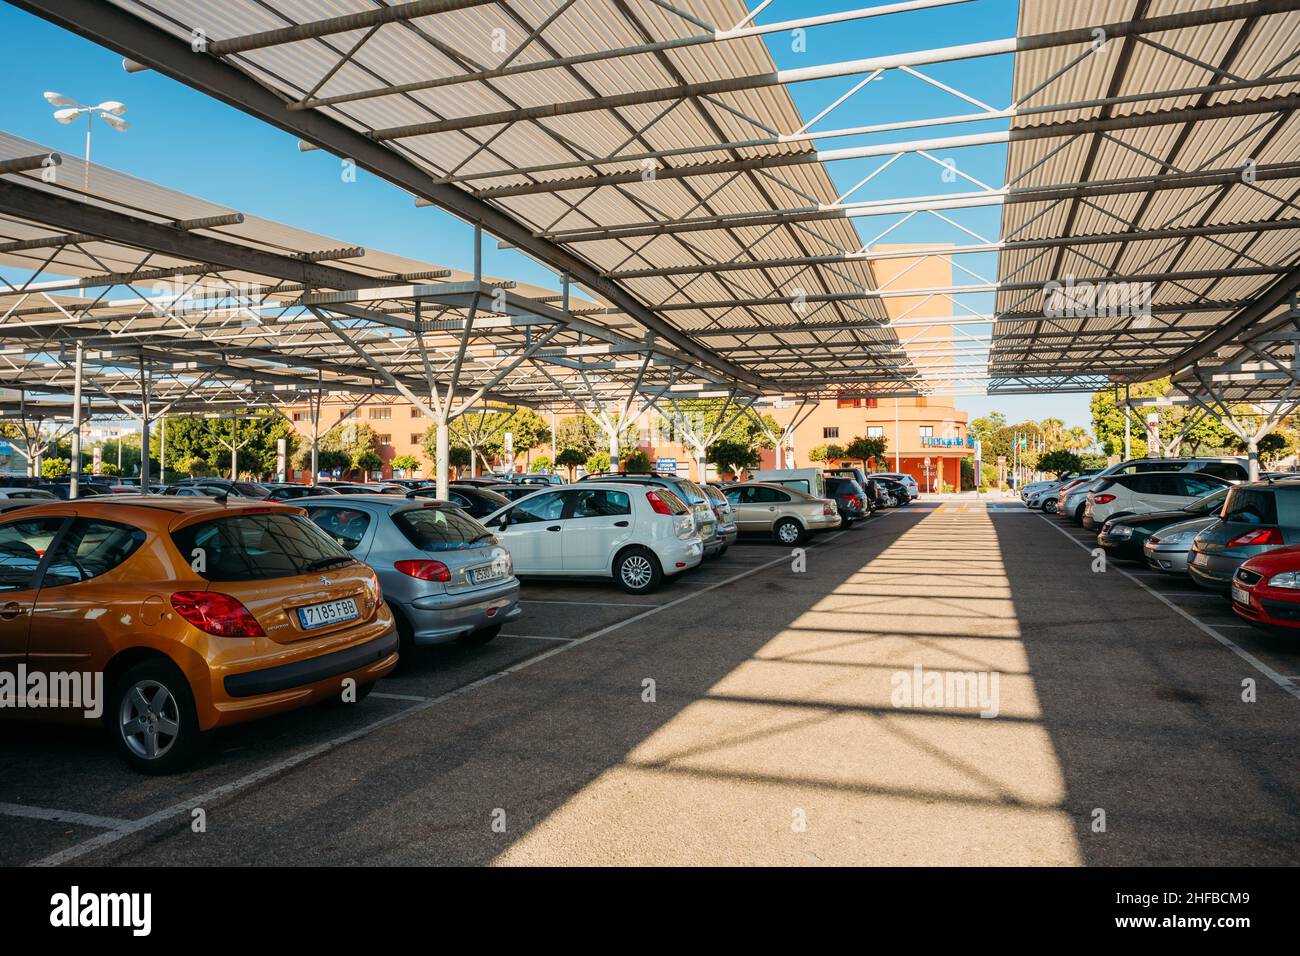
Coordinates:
(10, 611)
(620, 524)
(554, 527)
(771, 508)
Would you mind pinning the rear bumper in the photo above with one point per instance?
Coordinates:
(688, 552)
(443, 616)
(1213, 571)
(271, 680)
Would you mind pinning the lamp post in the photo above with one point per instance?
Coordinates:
(110, 111)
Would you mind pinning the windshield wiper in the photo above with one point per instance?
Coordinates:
(320, 564)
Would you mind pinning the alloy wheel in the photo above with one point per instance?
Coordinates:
(636, 571)
(150, 721)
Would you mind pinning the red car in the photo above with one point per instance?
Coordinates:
(1266, 589)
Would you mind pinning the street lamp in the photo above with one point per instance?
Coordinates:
(110, 111)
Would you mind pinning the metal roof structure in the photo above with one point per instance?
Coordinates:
(1182, 243)
(651, 152)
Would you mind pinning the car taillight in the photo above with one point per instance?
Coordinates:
(1103, 499)
(828, 508)
(719, 513)
(424, 570)
(658, 504)
(216, 613)
(376, 592)
(1258, 536)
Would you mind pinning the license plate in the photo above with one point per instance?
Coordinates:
(331, 612)
(1241, 595)
(482, 575)
(1198, 558)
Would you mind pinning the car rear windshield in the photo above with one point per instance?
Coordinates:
(671, 499)
(1250, 506)
(441, 529)
(251, 547)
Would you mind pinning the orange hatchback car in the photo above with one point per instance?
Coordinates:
(166, 617)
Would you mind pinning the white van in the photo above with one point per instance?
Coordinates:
(810, 481)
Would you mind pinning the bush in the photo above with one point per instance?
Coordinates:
(406, 463)
(540, 464)
(56, 468)
(369, 461)
(597, 462)
(636, 463)
(109, 470)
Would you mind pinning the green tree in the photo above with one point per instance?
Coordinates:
(1059, 462)
(579, 432)
(109, 470)
(542, 463)
(597, 462)
(731, 457)
(369, 461)
(192, 466)
(985, 426)
(405, 463)
(529, 430)
(637, 463)
(866, 449)
(56, 468)
(571, 458)
(328, 459)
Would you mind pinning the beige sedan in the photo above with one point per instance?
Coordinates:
(789, 515)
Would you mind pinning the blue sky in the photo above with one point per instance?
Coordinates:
(186, 141)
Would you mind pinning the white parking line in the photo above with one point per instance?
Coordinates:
(536, 637)
(382, 696)
(586, 603)
(1237, 649)
(61, 816)
(239, 784)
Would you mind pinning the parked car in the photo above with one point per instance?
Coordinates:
(535, 478)
(198, 614)
(1126, 537)
(811, 481)
(1167, 550)
(32, 494)
(636, 534)
(410, 484)
(1072, 498)
(359, 488)
(443, 574)
(913, 490)
(475, 501)
(1121, 495)
(480, 482)
(1266, 589)
(850, 499)
(788, 515)
(726, 515)
(1256, 518)
(512, 492)
(287, 492)
(897, 492)
(706, 522)
(235, 489)
(1042, 495)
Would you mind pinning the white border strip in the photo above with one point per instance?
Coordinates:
(61, 816)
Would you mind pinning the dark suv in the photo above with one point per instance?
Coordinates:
(850, 499)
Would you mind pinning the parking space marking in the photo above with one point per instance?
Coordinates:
(1237, 649)
(587, 603)
(61, 816)
(537, 637)
(382, 696)
(240, 784)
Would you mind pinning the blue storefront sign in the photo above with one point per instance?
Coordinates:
(968, 442)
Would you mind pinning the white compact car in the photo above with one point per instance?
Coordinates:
(1146, 492)
(913, 490)
(635, 534)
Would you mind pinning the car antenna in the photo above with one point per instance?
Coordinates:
(411, 493)
(221, 497)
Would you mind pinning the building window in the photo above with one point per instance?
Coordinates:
(297, 416)
(385, 439)
(415, 412)
(382, 411)
(870, 402)
(875, 431)
(846, 403)
(927, 432)
(922, 402)
(830, 433)
(416, 438)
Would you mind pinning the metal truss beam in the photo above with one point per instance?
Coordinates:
(151, 46)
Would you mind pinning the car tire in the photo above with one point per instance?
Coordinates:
(135, 736)
(1049, 506)
(479, 637)
(787, 531)
(637, 571)
(1078, 514)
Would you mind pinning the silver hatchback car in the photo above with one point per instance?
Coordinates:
(443, 574)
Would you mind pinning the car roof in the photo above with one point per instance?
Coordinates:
(160, 511)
